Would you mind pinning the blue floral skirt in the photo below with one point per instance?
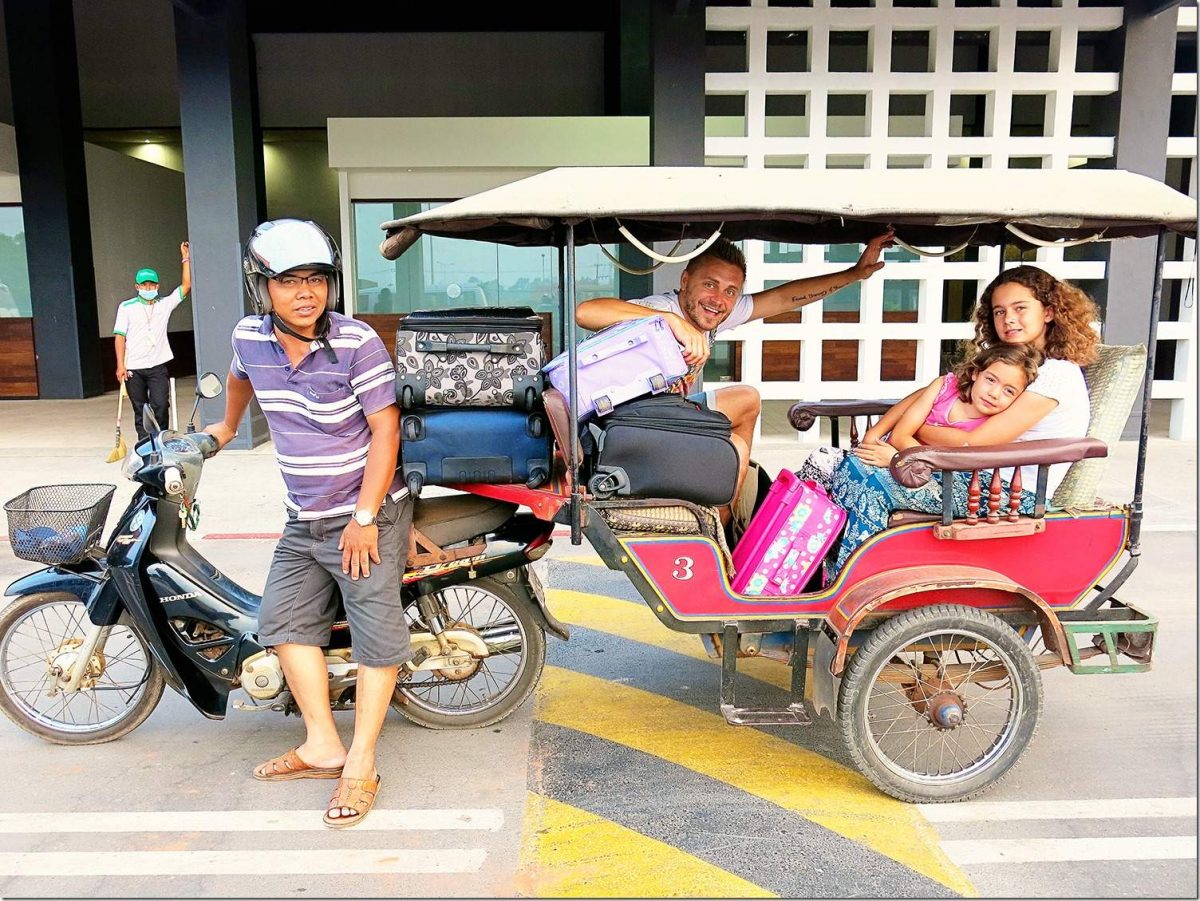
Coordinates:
(869, 495)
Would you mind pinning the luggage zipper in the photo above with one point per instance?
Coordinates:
(671, 426)
(479, 324)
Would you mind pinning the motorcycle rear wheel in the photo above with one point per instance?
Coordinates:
(40, 629)
(502, 682)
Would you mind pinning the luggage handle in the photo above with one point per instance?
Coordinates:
(656, 383)
(614, 348)
(466, 347)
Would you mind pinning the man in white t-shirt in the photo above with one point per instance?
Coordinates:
(710, 300)
(143, 349)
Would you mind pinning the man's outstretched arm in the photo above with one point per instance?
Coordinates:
(803, 291)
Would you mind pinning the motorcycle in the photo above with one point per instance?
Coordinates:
(91, 641)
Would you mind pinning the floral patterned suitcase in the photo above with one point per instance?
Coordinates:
(475, 357)
(787, 538)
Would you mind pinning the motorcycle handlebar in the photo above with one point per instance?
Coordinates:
(206, 443)
(172, 480)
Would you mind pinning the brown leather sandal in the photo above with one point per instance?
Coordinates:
(290, 766)
(357, 795)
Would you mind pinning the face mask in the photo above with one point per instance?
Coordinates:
(147, 295)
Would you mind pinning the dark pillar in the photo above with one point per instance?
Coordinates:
(634, 100)
(1146, 70)
(677, 83)
(58, 241)
(222, 178)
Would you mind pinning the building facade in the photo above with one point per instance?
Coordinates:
(378, 114)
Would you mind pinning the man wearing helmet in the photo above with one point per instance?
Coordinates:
(326, 386)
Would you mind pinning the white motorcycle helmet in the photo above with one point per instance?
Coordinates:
(283, 244)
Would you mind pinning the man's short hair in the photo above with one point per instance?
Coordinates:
(723, 250)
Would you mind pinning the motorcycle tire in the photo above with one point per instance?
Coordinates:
(44, 625)
(443, 704)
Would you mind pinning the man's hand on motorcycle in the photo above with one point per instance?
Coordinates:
(692, 341)
(360, 548)
(223, 433)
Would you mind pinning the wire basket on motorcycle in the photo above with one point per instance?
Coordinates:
(57, 524)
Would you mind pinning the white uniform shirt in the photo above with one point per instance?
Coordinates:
(144, 327)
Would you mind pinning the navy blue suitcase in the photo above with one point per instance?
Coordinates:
(445, 445)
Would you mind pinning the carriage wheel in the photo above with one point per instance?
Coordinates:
(939, 703)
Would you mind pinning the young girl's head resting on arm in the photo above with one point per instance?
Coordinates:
(1028, 305)
(992, 379)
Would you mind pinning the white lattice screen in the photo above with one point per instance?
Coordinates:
(886, 86)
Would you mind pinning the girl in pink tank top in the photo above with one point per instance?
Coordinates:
(964, 398)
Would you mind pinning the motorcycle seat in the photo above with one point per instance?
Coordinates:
(458, 517)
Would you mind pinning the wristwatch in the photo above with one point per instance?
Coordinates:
(364, 518)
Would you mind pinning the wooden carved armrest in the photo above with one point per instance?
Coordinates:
(914, 467)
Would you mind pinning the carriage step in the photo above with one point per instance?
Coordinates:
(792, 715)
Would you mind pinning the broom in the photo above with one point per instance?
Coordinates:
(118, 451)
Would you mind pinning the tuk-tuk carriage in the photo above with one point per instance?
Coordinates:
(927, 646)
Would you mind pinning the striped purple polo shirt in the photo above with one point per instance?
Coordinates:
(318, 411)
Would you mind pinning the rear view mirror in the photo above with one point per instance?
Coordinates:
(209, 385)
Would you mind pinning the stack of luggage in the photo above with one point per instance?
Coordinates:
(469, 385)
(640, 439)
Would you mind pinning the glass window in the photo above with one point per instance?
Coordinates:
(786, 116)
(724, 364)
(724, 115)
(849, 51)
(445, 273)
(724, 51)
(900, 299)
(778, 252)
(910, 51)
(14, 269)
(787, 51)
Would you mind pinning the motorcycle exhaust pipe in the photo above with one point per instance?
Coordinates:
(504, 638)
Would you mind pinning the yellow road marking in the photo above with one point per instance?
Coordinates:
(637, 622)
(791, 777)
(589, 560)
(571, 853)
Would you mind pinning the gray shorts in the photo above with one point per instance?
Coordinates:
(299, 606)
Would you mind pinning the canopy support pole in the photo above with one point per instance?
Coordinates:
(568, 284)
(1135, 525)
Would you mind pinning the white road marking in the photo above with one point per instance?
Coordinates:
(236, 863)
(967, 852)
(490, 820)
(1117, 808)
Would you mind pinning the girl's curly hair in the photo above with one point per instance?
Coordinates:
(1069, 335)
(1025, 357)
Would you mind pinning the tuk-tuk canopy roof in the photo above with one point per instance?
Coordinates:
(932, 208)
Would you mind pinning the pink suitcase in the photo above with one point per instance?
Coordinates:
(786, 539)
(624, 361)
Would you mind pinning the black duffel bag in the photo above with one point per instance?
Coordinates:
(664, 446)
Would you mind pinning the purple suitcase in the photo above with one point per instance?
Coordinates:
(622, 362)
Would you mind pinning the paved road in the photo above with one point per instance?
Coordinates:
(621, 779)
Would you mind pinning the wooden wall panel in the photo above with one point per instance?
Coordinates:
(781, 361)
(899, 361)
(18, 363)
(839, 361)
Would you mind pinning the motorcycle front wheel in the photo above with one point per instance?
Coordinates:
(39, 636)
(500, 682)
